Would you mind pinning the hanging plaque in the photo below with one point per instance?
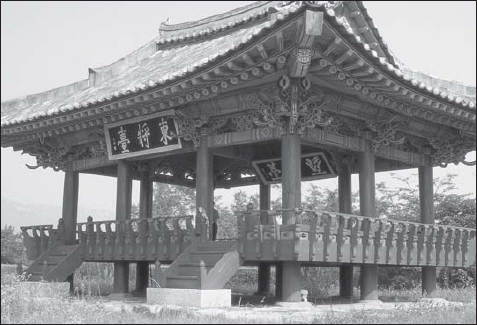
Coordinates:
(142, 135)
(313, 166)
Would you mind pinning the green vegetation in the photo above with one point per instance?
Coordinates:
(20, 306)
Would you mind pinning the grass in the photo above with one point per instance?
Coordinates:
(422, 315)
(19, 305)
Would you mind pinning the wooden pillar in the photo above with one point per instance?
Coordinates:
(345, 206)
(145, 211)
(70, 211)
(291, 196)
(278, 281)
(263, 269)
(426, 197)
(367, 198)
(205, 183)
(123, 212)
(70, 206)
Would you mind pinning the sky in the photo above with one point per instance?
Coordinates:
(49, 44)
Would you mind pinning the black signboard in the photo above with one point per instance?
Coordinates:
(313, 166)
(142, 135)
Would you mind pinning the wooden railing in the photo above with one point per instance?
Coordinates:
(341, 238)
(38, 239)
(149, 239)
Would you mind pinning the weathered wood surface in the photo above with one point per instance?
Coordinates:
(38, 239)
(148, 239)
(340, 238)
(322, 237)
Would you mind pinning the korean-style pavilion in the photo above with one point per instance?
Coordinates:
(274, 92)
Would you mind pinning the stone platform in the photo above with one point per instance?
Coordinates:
(189, 297)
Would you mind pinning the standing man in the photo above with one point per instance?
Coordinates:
(214, 225)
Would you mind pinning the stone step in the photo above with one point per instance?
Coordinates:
(191, 270)
(35, 278)
(66, 249)
(183, 282)
(56, 258)
(38, 269)
(216, 245)
(207, 257)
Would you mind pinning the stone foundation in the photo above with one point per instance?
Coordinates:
(190, 297)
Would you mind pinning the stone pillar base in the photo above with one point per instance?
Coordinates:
(190, 297)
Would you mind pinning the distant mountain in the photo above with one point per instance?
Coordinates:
(18, 214)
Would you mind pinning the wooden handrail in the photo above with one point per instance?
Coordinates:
(300, 211)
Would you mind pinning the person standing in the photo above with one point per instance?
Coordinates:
(215, 218)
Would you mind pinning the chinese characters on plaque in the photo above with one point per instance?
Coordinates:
(142, 135)
(313, 166)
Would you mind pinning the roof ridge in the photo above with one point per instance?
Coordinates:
(234, 12)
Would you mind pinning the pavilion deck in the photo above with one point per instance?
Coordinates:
(317, 238)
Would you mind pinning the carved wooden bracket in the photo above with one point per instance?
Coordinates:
(51, 153)
(191, 129)
(451, 151)
(295, 107)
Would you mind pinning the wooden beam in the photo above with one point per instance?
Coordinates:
(301, 57)
(91, 163)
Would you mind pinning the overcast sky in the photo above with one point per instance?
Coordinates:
(45, 45)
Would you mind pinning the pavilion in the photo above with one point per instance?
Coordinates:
(274, 92)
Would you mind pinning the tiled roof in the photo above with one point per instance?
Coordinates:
(183, 49)
(159, 68)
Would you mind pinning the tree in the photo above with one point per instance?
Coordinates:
(170, 201)
(12, 246)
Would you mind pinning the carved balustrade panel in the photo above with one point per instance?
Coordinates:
(342, 238)
(38, 239)
(150, 239)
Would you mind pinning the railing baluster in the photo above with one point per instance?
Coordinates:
(380, 242)
(276, 237)
(241, 232)
(99, 242)
(390, 243)
(164, 240)
(412, 246)
(108, 241)
(465, 245)
(313, 228)
(431, 245)
(458, 248)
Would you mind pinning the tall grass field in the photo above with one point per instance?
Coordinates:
(93, 282)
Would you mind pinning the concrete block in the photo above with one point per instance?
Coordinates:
(45, 289)
(190, 297)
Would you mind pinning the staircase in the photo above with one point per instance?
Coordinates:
(55, 264)
(203, 265)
